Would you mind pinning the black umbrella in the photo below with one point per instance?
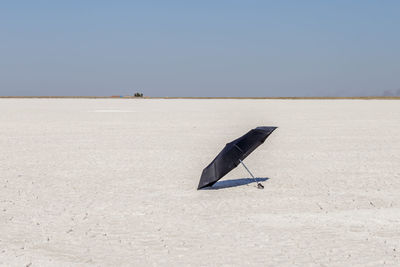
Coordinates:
(233, 154)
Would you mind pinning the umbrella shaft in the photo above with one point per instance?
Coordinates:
(248, 170)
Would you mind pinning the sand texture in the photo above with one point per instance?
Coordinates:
(112, 182)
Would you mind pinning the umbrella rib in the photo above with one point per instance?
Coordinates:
(239, 148)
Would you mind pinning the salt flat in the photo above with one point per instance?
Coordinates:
(112, 182)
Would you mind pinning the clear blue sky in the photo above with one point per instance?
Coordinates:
(199, 48)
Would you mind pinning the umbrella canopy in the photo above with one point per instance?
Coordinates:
(232, 154)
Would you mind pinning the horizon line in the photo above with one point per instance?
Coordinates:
(210, 97)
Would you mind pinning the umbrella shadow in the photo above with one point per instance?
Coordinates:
(234, 182)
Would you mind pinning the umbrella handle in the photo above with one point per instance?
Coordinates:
(259, 185)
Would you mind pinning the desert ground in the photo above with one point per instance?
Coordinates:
(112, 182)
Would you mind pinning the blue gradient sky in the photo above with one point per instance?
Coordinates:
(199, 48)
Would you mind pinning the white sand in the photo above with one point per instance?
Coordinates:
(113, 183)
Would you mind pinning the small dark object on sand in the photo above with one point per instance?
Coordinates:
(260, 186)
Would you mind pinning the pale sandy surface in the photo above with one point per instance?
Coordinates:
(113, 183)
